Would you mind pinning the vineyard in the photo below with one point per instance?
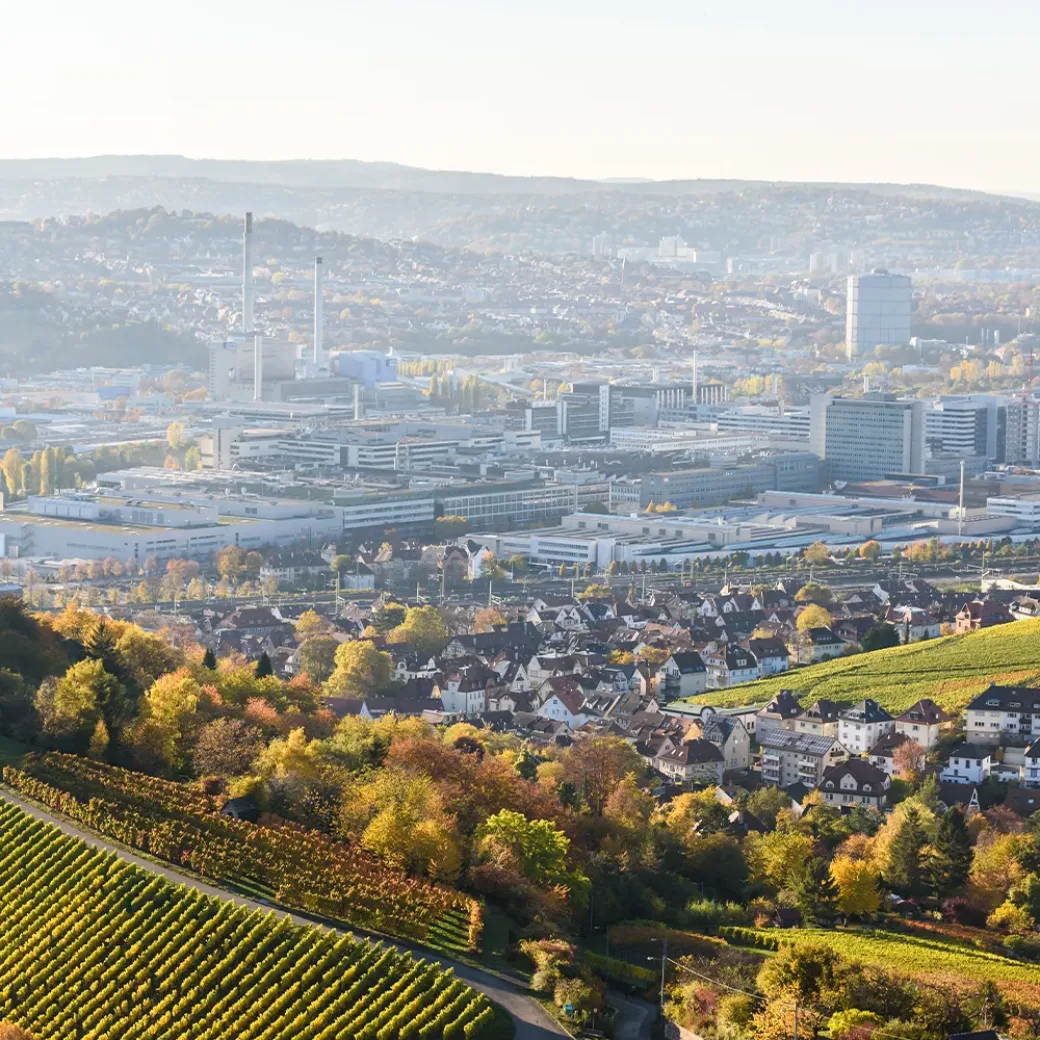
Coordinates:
(950, 670)
(282, 861)
(929, 956)
(91, 947)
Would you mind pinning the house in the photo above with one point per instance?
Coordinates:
(855, 782)
(1023, 801)
(463, 694)
(912, 624)
(1004, 713)
(964, 796)
(682, 675)
(290, 568)
(967, 764)
(565, 706)
(791, 758)
(817, 644)
(731, 665)
(1031, 769)
(882, 754)
(861, 726)
(981, 614)
(923, 722)
(772, 655)
(820, 718)
(731, 738)
(694, 762)
(778, 714)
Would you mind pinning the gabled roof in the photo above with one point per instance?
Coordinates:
(864, 774)
(687, 661)
(973, 752)
(693, 752)
(821, 711)
(924, 713)
(1007, 698)
(866, 711)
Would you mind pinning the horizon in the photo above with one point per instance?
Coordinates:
(914, 94)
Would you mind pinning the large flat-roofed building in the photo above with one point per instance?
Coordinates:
(968, 425)
(705, 486)
(864, 438)
(877, 311)
(134, 527)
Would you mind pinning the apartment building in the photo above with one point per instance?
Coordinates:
(1004, 713)
(798, 758)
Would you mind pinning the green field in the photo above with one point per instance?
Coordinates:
(95, 948)
(950, 670)
(915, 954)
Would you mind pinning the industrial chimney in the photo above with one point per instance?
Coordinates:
(321, 362)
(247, 275)
(258, 368)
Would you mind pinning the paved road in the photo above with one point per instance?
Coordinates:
(532, 1023)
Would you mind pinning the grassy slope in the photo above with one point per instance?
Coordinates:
(920, 955)
(950, 670)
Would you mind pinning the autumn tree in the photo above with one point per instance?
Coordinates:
(858, 882)
(813, 616)
(870, 550)
(817, 554)
(310, 623)
(536, 848)
(361, 670)
(596, 766)
(909, 760)
(171, 705)
(317, 657)
(423, 630)
(226, 747)
(486, 619)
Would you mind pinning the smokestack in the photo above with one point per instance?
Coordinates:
(247, 275)
(321, 362)
(258, 368)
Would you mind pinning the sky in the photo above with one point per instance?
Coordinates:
(911, 91)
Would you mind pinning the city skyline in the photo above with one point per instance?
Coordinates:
(919, 95)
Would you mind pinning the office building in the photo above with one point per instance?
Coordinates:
(865, 438)
(1022, 431)
(877, 311)
(969, 425)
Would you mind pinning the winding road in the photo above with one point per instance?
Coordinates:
(532, 1023)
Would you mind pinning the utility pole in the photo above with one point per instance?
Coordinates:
(960, 505)
(795, 1036)
(490, 580)
(664, 968)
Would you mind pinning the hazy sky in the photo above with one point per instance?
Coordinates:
(916, 90)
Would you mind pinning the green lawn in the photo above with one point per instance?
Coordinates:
(950, 670)
(11, 751)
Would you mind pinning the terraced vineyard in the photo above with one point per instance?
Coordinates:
(92, 947)
(950, 670)
(934, 957)
(297, 867)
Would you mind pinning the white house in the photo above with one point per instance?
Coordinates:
(731, 665)
(1031, 770)
(772, 655)
(729, 735)
(682, 675)
(695, 761)
(923, 722)
(460, 694)
(1004, 712)
(564, 706)
(967, 764)
(855, 782)
(861, 726)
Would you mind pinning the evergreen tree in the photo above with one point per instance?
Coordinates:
(100, 645)
(906, 864)
(816, 894)
(952, 853)
(263, 667)
(209, 659)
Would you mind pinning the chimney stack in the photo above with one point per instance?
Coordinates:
(247, 275)
(321, 362)
(258, 368)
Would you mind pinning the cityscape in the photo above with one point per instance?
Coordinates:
(453, 605)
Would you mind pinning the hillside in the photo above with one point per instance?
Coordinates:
(93, 947)
(950, 670)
